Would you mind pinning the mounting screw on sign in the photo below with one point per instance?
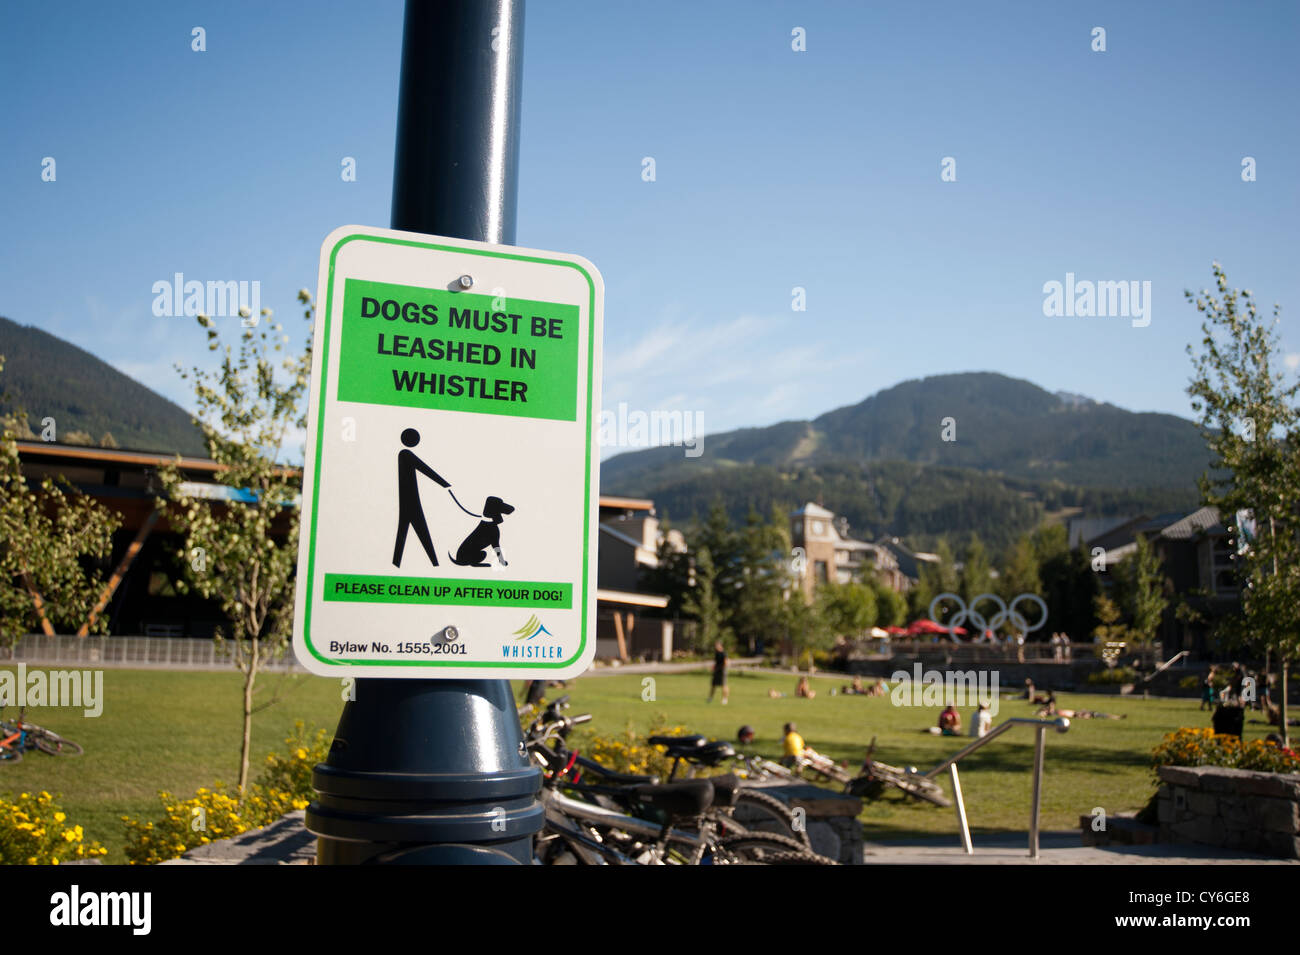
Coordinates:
(466, 281)
(450, 634)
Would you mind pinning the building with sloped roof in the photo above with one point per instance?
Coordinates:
(1197, 555)
(830, 553)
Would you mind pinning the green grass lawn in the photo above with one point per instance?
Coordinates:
(178, 731)
(1097, 763)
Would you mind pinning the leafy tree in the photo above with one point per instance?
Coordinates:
(976, 577)
(701, 602)
(848, 609)
(243, 551)
(1142, 582)
(50, 540)
(1069, 583)
(1049, 540)
(937, 577)
(1020, 572)
(891, 606)
(806, 625)
(1109, 626)
(723, 544)
(1251, 422)
(764, 579)
(671, 575)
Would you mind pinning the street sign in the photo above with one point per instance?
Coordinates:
(450, 481)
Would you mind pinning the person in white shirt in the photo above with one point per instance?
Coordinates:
(982, 721)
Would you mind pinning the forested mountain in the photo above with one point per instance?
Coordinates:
(1017, 454)
(46, 376)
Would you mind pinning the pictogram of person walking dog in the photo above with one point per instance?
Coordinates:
(472, 551)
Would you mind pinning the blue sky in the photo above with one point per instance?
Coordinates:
(774, 169)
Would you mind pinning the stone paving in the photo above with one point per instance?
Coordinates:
(1054, 848)
(286, 842)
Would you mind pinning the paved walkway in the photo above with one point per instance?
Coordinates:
(1055, 848)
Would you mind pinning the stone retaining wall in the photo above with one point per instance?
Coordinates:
(831, 818)
(1231, 808)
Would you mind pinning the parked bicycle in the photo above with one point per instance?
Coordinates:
(876, 777)
(627, 819)
(18, 736)
(871, 783)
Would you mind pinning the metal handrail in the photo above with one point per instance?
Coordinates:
(1166, 665)
(1060, 724)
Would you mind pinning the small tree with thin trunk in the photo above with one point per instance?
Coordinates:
(1251, 421)
(1142, 592)
(50, 537)
(241, 550)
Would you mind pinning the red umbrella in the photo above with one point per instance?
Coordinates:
(929, 626)
(896, 630)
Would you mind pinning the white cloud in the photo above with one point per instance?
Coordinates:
(746, 371)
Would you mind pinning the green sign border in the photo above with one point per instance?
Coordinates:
(320, 422)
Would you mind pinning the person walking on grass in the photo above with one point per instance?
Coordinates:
(719, 673)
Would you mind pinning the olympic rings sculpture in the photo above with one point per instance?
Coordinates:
(1004, 614)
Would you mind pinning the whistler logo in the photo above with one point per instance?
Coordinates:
(103, 908)
(531, 629)
(531, 651)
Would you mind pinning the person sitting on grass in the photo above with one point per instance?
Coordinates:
(1041, 699)
(804, 690)
(794, 747)
(950, 721)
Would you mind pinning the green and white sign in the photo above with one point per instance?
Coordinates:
(450, 483)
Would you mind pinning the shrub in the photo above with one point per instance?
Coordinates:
(35, 831)
(214, 813)
(290, 772)
(629, 752)
(1116, 675)
(1203, 747)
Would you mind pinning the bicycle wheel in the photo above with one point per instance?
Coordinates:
(8, 755)
(760, 812)
(917, 786)
(764, 848)
(56, 745)
(922, 788)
